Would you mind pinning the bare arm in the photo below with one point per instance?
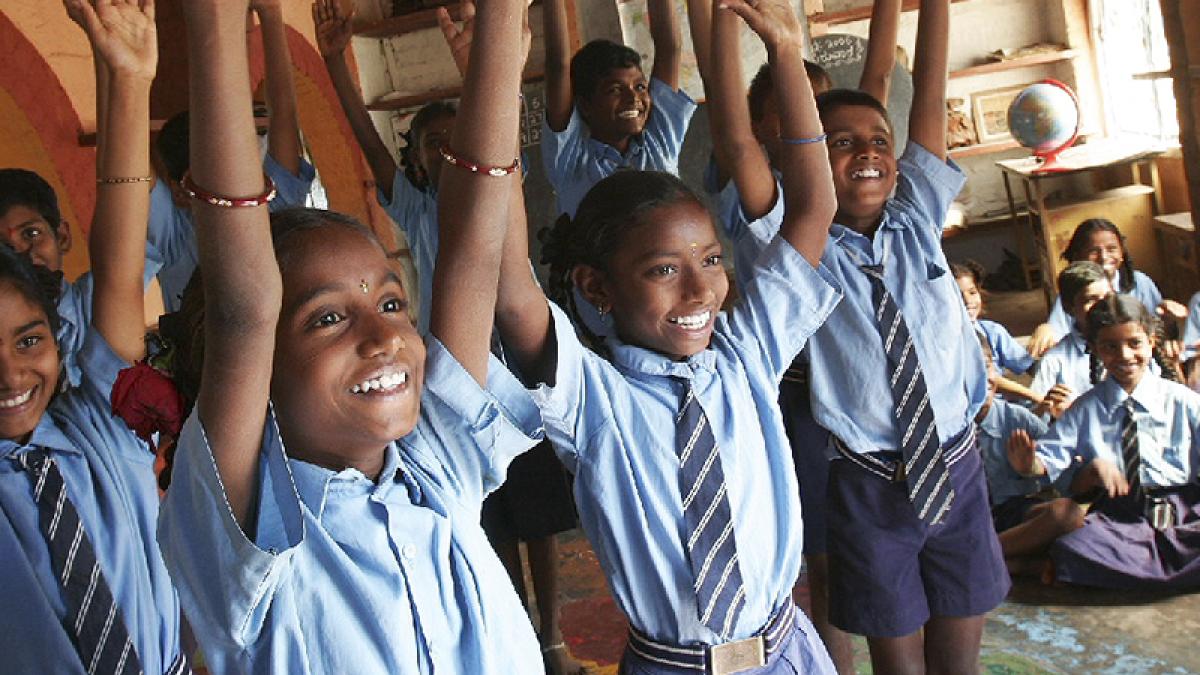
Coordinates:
(123, 38)
(738, 152)
(522, 312)
(283, 133)
(700, 18)
(927, 120)
(242, 286)
(559, 97)
(485, 132)
(876, 78)
(333, 36)
(808, 193)
(668, 42)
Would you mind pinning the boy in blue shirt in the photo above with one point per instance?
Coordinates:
(602, 114)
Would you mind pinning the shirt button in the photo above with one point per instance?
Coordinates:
(408, 551)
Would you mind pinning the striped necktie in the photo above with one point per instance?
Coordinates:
(711, 548)
(1130, 453)
(92, 614)
(923, 467)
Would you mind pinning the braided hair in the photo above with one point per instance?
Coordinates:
(1119, 308)
(610, 209)
(1081, 238)
(409, 158)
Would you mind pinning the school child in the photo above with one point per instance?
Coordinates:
(701, 560)
(171, 221)
(602, 114)
(1191, 344)
(84, 587)
(1065, 371)
(354, 551)
(1131, 440)
(1100, 241)
(1007, 354)
(1026, 515)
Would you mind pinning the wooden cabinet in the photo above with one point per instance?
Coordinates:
(1132, 209)
(1177, 248)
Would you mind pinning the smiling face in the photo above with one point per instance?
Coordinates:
(430, 140)
(665, 282)
(863, 163)
(25, 230)
(617, 109)
(1086, 299)
(1125, 350)
(348, 363)
(29, 364)
(1104, 248)
(971, 296)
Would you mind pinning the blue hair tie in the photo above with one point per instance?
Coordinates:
(804, 141)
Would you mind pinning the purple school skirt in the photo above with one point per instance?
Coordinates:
(1118, 548)
(889, 572)
(809, 442)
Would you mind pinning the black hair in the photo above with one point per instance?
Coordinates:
(1119, 308)
(1082, 237)
(610, 209)
(1075, 278)
(408, 153)
(968, 268)
(172, 145)
(817, 75)
(763, 85)
(287, 223)
(38, 284)
(835, 99)
(20, 187)
(597, 59)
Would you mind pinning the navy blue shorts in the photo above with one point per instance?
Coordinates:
(1012, 511)
(809, 442)
(889, 572)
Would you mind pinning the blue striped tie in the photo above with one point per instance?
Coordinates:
(1130, 453)
(923, 467)
(92, 614)
(711, 548)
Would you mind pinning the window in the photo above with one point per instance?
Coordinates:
(1134, 65)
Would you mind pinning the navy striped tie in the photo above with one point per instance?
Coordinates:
(711, 548)
(1130, 453)
(92, 614)
(923, 467)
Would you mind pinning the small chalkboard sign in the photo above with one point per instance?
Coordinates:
(843, 57)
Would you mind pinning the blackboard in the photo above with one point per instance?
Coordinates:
(843, 55)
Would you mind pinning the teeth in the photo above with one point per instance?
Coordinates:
(866, 173)
(694, 321)
(628, 114)
(386, 383)
(16, 400)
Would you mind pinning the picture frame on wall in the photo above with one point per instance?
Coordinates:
(989, 110)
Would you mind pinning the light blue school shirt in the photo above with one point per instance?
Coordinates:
(171, 231)
(749, 237)
(1144, 289)
(849, 380)
(1007, 353)
(574, 161)
(414, 211)
(1191, 329)
(1168, 419)
(1067, 362)
(109, 475)
(613, 426)
(346, 575)
(1001, 420)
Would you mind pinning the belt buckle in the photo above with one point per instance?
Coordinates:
(734, 657)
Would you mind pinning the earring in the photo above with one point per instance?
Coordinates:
(602, 310)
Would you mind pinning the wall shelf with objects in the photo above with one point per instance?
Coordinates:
(1014, 63)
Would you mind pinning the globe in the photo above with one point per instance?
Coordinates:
(1044, 117)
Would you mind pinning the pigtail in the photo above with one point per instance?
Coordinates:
(1170, 367)
(1095, 368)
(412, 170)
(562, 250)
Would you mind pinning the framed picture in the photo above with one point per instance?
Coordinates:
(989, 109)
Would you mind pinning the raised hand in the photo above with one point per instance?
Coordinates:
(1056, 401)
(1021, 455)
(122, 33)
(773, 20)
(459, 38)
(334, 28)
(1041, 340)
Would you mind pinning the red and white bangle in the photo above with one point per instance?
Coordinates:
(493, 171)
(196, 192)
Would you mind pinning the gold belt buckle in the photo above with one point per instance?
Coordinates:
(734, 657)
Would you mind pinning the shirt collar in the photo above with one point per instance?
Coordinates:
(1148, 395)
(642, 360)
(1075, 341)
(314, 483)
(45, 435)
(604, 149)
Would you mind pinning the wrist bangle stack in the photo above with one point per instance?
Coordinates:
(123, 180)
(493, 171)
(804, 141)
(196, 192)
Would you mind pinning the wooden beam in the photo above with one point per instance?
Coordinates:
(1180, 35)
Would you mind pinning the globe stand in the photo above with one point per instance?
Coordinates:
(1048, 159)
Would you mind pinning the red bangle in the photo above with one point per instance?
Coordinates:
(493, 171)
(196, 192)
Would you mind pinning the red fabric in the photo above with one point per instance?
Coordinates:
(148, 402)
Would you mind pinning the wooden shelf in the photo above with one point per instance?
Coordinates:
(1019, 62)
(414, 100)
(984, 148)
(858, 13)
(406, 23)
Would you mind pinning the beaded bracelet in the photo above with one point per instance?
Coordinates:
(493, 171)
(196, 192)
(804, 141)
(124, 181)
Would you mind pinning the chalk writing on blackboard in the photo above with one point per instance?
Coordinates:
(832, 51)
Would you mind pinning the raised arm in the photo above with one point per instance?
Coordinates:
(242, 286)
(927, 119)
(809, 198)
(668, 41)
(485, 134)
(283, 130)
(737, 151)
(559, 97)
(123, 36)
(333, 36)
(700, 18)
(876, 77)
